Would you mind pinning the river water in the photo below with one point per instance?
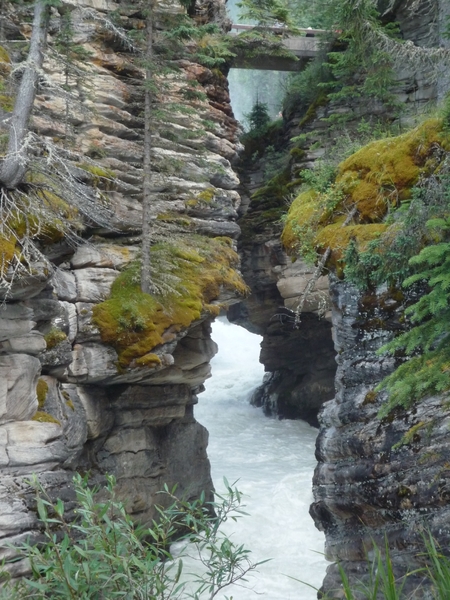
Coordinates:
(273, 462)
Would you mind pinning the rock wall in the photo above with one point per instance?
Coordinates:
(299, 363)
(66, 402)
(377, 480)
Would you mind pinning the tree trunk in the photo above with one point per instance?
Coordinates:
(146, 276)
(14, 166)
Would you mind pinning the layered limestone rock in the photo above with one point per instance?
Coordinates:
(68, 399)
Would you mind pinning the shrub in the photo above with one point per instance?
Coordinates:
(104, 555)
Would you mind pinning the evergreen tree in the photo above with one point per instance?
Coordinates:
(426, 346)
(258, 118)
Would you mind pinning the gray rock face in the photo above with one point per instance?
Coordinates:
(301, 365)
(65, 403)
(300, 362)
(376, 479)
(18, 379)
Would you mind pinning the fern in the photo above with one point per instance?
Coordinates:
(427, 344)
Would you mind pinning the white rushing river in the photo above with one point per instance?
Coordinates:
(273, 461)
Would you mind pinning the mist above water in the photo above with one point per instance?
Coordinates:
(273, 462)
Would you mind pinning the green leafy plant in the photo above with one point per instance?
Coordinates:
(103, 554)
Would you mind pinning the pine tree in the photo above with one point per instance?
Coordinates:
(426, 345)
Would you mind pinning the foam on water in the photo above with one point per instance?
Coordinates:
(273, 461)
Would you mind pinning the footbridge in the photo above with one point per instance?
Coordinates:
(305, 45)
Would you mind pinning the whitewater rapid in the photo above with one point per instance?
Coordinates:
(273, 462)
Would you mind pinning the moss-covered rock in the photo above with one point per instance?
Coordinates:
(371, 182)
(54, 337)
(135, 323)
(383, 173)
(43, 417)
(41, 392)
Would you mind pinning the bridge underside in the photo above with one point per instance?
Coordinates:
(269, 63)
(257, 55)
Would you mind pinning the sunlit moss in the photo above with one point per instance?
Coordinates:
(100, 176)
(7, 251)
(136, 323)
(383, 173)
(148, 360)
(369, 183)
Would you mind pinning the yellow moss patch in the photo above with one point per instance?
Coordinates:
(4, 56)
(70, 405)
(338, 238)
(43, 417)
(100, 175)
(304, 210)
(6, 102)
(375, 178)
(5, 62)
(135, 323)
(54, 337)
(41, 392)
(384, 171)
(7, 251)
(148, 360)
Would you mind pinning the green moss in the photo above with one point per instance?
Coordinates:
(4, 56)
(373, 180)
(100, 175)
(311, 113)
(180, 220)
(43, 417)
(41, 392)
(370, 397)
(410, 436)
(54, 337)
(135, 323)
(7, 251)
(297, 153)
(5, 65)
(6, 102)
(70, 405)
(383, 173)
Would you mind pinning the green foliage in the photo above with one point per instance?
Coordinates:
(446, 114)
(103, 554)
(258, 118)
(265, 12)
(359, 65)
(426, 345)
(382, 581)
(212, 46)
(438, 568)
(303, 88)
(386, 259)
(263, 137)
